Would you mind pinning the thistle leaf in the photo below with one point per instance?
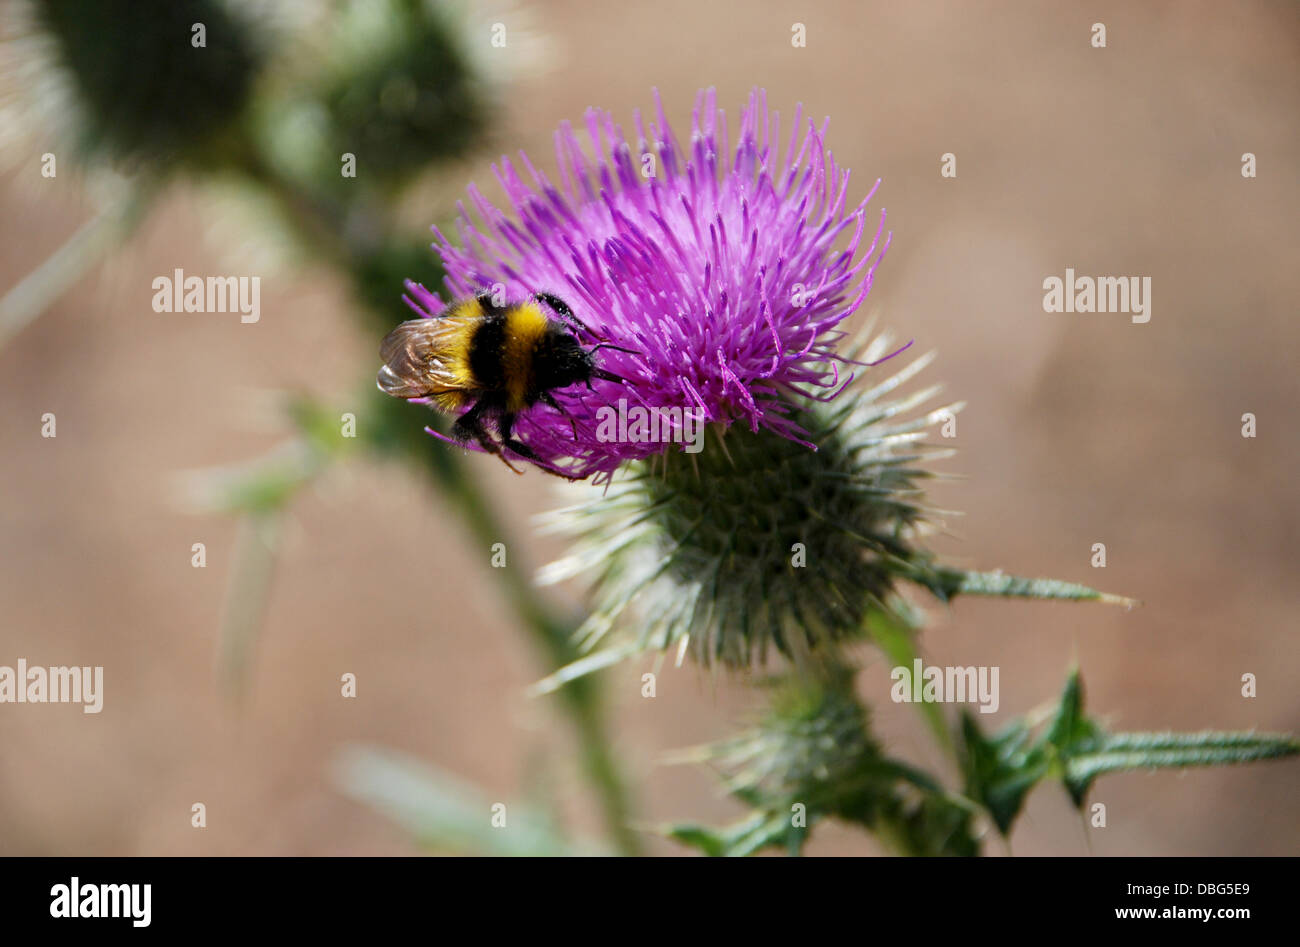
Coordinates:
(946, 583)
(1071, 732)
(439, 810)
(710, 842)
(1002, 769)
(752, 834)
(1128, 751)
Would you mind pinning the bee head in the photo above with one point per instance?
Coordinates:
(561, 361)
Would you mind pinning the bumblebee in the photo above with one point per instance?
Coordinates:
(497, 361)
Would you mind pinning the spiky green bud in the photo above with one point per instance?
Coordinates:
(758, 543)
(811, 756)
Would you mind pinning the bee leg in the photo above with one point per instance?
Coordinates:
(469, 427)
(548, 398)
(523, 450)
(526, 452)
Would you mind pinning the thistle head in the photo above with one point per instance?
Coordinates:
(724, 270)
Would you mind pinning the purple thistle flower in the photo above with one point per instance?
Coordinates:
(722, 274)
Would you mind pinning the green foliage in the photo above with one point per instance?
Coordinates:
(444, 814)
(813, 748)
(1000, 771)
(934, 824)
(748, 836)
(811, 757)
(1072, 747)
(1124, 751)
(400, 91)
(893, 629)
(945, 584)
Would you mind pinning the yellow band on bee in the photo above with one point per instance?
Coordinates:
(526, 325)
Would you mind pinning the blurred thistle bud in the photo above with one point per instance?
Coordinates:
(811, 756)
(377, 91)
(401, 91)
(811, 747)
(150, 83)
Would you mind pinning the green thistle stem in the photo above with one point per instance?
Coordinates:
(254, 557)
(36, 291)
(582, 700)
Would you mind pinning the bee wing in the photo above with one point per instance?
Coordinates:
(415, 362)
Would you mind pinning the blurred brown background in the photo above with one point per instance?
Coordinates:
(1081, 429)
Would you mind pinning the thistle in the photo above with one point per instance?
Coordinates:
(722, 276)
(720, 269)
